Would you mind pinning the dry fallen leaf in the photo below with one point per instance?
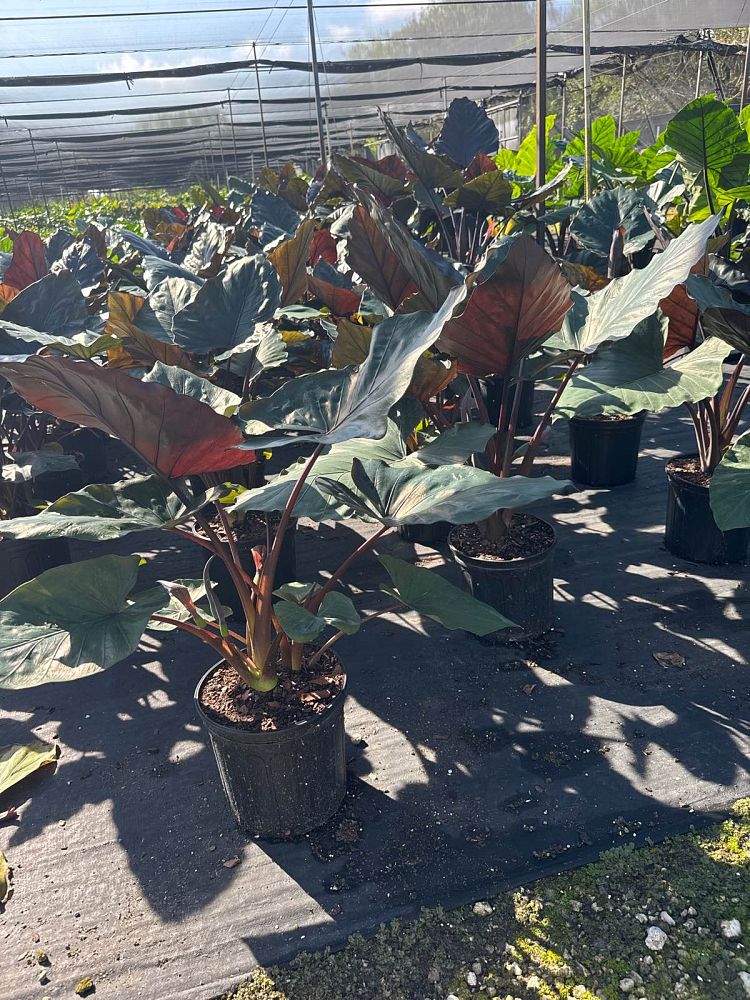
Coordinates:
(18, 761)
(5, 888)
(529, 689)
(669, 659)
(231, 862)
(8, 814)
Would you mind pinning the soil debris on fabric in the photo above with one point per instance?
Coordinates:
(527, 536)
(665, 922)
(296, 698)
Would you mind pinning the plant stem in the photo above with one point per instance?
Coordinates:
(340, 635)
(233, 656)
(700, 436)
(317, 598)
(510, 437)
(243, 592)
(476, 392)
(262, 636)
(533, 446)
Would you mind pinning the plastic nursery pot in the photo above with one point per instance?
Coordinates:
(286, 571)
(605, 452)
(282, 783)
(521, 589)
(425, 534)
(21, 559)
(690, 530)
(91, 445)
(492, 393)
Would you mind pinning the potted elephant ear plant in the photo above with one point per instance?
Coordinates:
(605, 440)
(273, 700)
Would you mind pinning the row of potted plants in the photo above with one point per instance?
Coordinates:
(387, 319)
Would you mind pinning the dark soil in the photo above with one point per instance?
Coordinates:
(252, 527)
(689, 470)
(527, 536)
(608, 417)
(296, 698)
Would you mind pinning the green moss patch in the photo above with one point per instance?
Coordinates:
(580, 935)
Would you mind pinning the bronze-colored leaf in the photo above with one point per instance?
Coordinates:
(352, 344)
(341, 301)
(176, 434)
(518, 298)
(369, 254)
(139, 349)
(481, 164)
(683, 313)
(323, 248)
(431, 376)
(583, 276)
(290, 260)
(28, 263)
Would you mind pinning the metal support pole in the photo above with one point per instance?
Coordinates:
(252, 167)
(444, 88)
(328, 129)
(745, 69)
(564, 105)
(221, 152)
(39, 175)
(316, 83)
(260, 108)
(621, 114)
(351, 139)
(698, 77)
(541, 93)
(62, 166)
(234, 137)
(212, 171)
(586, 11)
(11, 209)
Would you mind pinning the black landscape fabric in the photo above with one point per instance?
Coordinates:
(473, 767)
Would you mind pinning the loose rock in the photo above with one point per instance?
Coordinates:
(656, 938)
(731, 929)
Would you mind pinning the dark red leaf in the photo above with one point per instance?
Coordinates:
(518, 299)
(371, 257)
(341, 301)
(176, 434)
(682, 313)
(29, 263)
(481, 164)
(323, 248)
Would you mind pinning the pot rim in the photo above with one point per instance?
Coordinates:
(504, 565)
(675, 477)
(232, 732)
(626, 419)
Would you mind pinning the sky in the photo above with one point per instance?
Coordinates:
(126, 42)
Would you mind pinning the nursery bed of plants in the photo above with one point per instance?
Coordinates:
(391, 525)
(544, 755)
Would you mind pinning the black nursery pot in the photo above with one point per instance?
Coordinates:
(282, 783)
(22, 559)
(690, 530)
(604, 452)
(520, 589)
(286, 571)
(425, 534)
(492, 393)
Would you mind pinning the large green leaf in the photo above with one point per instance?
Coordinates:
(169, 297)
(27, 465)
(431, 595)
(186, 384)
(487, 194)
(730, 486)
(709, 139)
(177, 435)
(454, 445)
(20, 760)
(415, 494)
(101, 512)
(331, 406)
(721, 314)
(225, 309)
(629, 375)
(597, 221)
(336, 611)
(72, 621)
(615, 311)
(52, 305)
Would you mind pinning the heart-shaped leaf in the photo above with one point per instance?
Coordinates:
(431, 595)
(53, 304)
(102, 511)
(175, 434)
(72, 621)
(28, 261)
(467, 130)
(730, 487)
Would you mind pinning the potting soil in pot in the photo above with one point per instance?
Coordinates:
(527, 536)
